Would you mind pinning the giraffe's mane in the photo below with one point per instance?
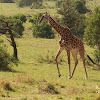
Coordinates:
(59, 24)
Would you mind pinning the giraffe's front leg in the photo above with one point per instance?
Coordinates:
(60, 50)
(68, 54)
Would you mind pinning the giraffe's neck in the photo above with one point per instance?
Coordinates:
(56, 26)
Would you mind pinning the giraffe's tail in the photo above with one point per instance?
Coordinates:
(92, 61)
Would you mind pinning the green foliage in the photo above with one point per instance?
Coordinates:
(43, 30)
(22, 3)
(80, 6)
(97, 55)
(1, 41)
(92, 33)
(16, 23)
(37, 4)
(17, 28)
(72, 18)
(97, 10)
(58, 3)
(5, 59)
(51, 89)
(22, 17)
(6, 1)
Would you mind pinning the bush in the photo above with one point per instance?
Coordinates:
(92, 33)
(80, 6)
(97, 55)
(97, 10)
(51, 89)
(58, 3)
(5, 59)
(22, 17)
(37, 4)
(22, 3)
(1, 41)
(7, 1)
(43, 30)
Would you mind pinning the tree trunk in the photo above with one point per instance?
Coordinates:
(13, 44)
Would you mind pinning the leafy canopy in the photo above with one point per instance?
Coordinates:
(92, 32)
(16, 23)
(72, 18)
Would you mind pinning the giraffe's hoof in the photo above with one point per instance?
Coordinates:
(86, 77)
(59, 75)
(69, 77)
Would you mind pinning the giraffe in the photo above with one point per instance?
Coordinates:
(68, 42)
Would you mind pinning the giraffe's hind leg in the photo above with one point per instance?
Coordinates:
(81, 52)
(68, 54)
(74, 54)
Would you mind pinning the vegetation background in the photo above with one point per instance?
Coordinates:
(34, 76)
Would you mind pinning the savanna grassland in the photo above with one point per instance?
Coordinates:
(35, 76)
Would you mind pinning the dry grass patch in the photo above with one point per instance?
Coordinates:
(5, 85)
(24, 79)
(48, 88)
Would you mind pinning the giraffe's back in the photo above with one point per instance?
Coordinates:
(72, 42)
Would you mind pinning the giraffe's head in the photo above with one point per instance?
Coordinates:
(44, 17)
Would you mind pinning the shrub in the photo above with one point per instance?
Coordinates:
(22, 17)
(22, 3)
(80, 6)
(92, 32)
(5, 59)
(43, 30)
(37, 4)
(51, 89)
(6, 1)
(97, 55)
(1, 41)
(58, 3)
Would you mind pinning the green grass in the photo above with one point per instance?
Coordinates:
(91, 4)
(37, 80)
(36, 77)
(13, 9)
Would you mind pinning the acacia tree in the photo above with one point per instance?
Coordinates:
(92, 32)
(12, 27)
(4, 30)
